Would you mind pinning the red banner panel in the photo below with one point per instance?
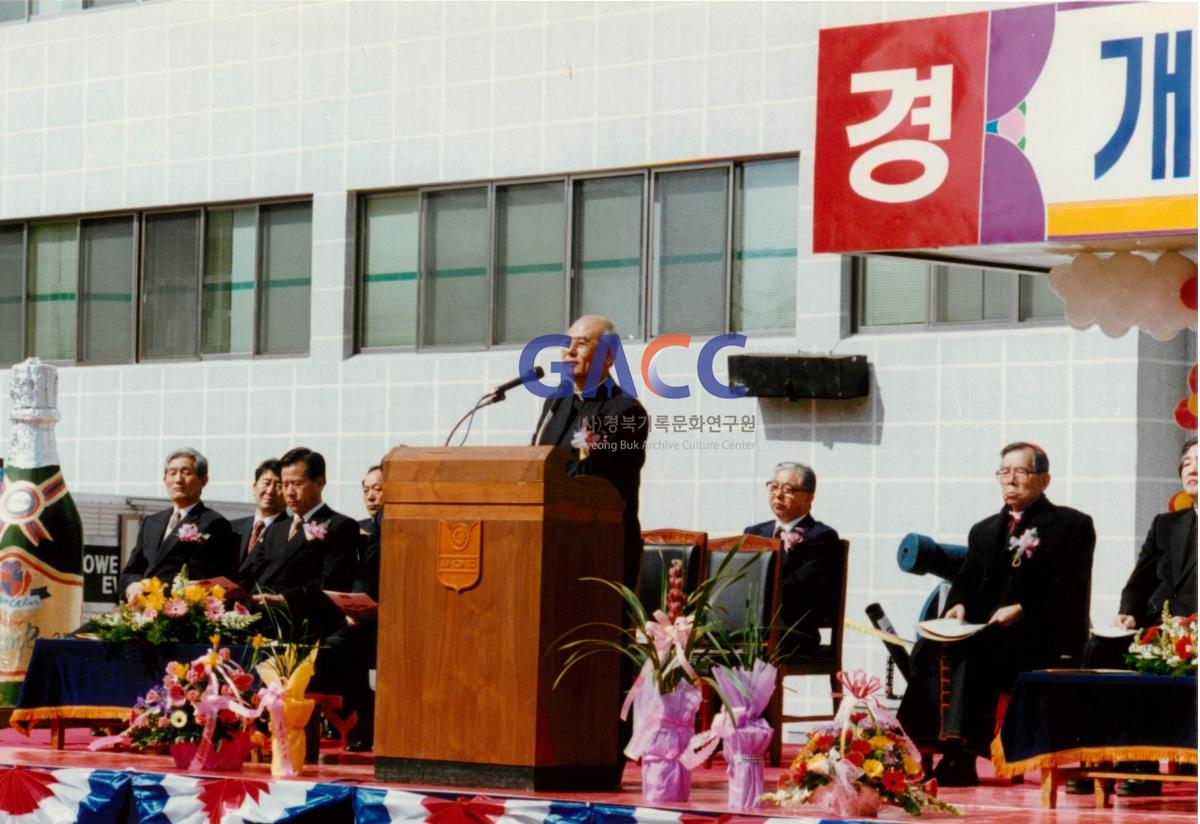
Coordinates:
(900, 134)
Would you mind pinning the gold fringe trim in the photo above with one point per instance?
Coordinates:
(1088, 756)
(24, 720)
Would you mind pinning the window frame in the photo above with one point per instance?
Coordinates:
(937, 267)
(138, 280)
(649, 175)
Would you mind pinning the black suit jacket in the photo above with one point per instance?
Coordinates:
(1053, 586)
(242, 527)
(810, 582)
(1165, 570)
(214, 555)
(299, 569)
(366, 577)
(621, 466)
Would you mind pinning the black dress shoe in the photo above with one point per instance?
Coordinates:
(956, 771)
(358, 746)
(1135, 788)
(1080, 786)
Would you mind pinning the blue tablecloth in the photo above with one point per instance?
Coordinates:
(70, 678)
(1059, 718)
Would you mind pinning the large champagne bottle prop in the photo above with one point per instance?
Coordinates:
(41, 535)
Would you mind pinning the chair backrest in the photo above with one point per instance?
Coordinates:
(659, 548)
(759, 585)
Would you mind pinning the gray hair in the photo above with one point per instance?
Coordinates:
(198, 460)
(808, 478)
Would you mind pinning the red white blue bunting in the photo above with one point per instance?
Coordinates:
(32, 795)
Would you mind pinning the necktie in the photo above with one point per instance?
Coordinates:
(778, 531)
(171, 525)
(1014, 521)
(297, 523)
(255, 534)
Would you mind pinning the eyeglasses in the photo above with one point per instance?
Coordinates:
(787, 490)
(1020, 473)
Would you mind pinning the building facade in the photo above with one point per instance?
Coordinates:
(244, 226)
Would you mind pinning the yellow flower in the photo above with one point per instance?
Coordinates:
(911, 767)
(816, 762)
(179, 670)
(153, 586)
(872, 768)
(256, 641)
(879, 742)
(215, 638)
(193, 594)
(218, 592)
(156, 602)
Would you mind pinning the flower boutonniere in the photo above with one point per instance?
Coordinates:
(316, 532)
(585, 440)
(793, 537)
(1023, 546)
(191, 534)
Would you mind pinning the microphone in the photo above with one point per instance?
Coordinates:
(882, 622)
(497, 394)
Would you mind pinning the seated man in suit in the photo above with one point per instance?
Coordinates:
(188, 534)
(811, 579)
(1026, 576)
(267, 492)
(299, 557)
(1165, 573)
(372, 493)
(350, 652)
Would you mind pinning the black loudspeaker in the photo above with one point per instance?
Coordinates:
(830, 377)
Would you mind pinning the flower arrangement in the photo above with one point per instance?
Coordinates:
(316, 532)
(187, 612)
(862, 760)
(793, 537)
(1166, 649)
(191, 534)
(203, 710)
(585, 439)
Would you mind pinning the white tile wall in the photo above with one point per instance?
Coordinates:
(163, 104)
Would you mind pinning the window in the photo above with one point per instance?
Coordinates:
(106, 292)
(894, 292)
(699, 250)
(286, 278)
(213, 281)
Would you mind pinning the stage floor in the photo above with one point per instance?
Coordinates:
(996, 800)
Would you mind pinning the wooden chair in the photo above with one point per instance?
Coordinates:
(759, 585)
(827, 661)
(659, 548)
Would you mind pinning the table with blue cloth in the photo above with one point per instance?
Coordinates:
(95, 683)
(1055, 719)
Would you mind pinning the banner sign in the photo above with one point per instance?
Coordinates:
(1057, 122)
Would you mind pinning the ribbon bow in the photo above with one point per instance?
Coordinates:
(859, 684)
(271, 700)
(861, 689)
(665, 634)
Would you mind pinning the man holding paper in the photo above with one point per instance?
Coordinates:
(1026, 578)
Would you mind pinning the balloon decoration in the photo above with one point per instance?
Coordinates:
(1126, 290)
(1185, 410)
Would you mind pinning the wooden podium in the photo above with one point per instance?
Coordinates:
(483, 552)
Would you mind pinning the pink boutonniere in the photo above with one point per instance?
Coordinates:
(316, 532)
(191, 534)
(793, 537)
(1024, 546)
(585, 440)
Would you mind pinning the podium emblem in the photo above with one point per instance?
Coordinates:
(458, 554)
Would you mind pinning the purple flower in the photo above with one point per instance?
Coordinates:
(793, 537)
(190, 534)
(316, 532)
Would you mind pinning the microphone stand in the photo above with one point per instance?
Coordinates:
(486, 400)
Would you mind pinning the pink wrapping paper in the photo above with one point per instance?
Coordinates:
(740, 725)
(662, 731)
(843, 796)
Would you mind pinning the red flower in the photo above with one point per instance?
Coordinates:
(823, 742)
(227, 717)
(243, 681)
(799, 773)
(855, 758)
(1150, 635)
(893, 781)
(860, 746)
(1190, 620)
(855, 717)
(1183, 647)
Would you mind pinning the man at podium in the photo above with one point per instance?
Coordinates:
(604, 429)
